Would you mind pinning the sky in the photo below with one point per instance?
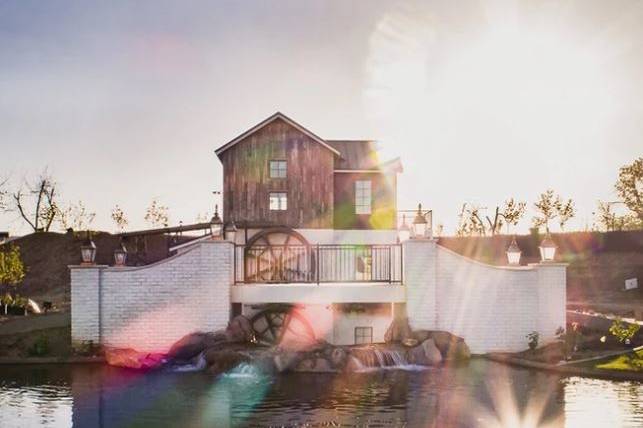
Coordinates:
(124, 102)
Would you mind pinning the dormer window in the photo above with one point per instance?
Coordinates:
(363, 197)
(278, 169)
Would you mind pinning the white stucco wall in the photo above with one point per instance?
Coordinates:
(149, 308)
(492, 307)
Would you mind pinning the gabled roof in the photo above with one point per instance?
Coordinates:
(361, 155)
(271, 119)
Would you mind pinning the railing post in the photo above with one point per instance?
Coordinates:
(318, 264)
(389, 264)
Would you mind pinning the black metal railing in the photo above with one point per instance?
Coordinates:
(318, 263)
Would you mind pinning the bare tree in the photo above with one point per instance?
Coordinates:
(470, 221)
(630, 187)
(36, 202)
(157, 215)
(551, 206)
(119, 218)
(76, 216)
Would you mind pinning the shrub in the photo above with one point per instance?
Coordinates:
(40, 347)
(532, 340)
(623, 332)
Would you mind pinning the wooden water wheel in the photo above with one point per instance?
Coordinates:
(278, 323)
(278, 255)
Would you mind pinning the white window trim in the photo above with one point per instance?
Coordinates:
(361, 208)
(282, 203)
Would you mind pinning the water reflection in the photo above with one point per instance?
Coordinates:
(480, 394)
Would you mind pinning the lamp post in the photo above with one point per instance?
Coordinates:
(419, 224)
(88, 251)
(404, 232)
(216, 225)
(231, 232)
(120, 256)
(547, 249)
(513, 253)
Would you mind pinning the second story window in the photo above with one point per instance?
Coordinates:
(278, 169)
(362, 197)
(278, 201)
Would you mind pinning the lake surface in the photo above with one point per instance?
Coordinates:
(482, 393)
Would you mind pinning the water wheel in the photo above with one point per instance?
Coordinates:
(277, 324)
(278, 255)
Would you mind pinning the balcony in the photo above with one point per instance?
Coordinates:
(318, 264)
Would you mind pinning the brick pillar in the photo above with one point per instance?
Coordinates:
(552, 298)
(419, 264)
(85, 304)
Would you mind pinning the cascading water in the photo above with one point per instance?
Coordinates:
(374, 358)
(197, 364)
(243, 370)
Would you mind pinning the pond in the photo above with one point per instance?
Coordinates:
(482, 393)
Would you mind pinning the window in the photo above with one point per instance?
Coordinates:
(363, 335)
(362, 197)
(278, 201)
(278, 169)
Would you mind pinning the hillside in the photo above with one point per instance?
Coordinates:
(47, 256)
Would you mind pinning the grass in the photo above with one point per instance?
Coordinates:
(629, 362)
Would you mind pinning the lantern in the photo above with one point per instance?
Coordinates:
(513, 253)
(231, 232)
(547, 249)
(216, 225)
(88, 251)
(419, 224)
(120, 256)
(403, 233)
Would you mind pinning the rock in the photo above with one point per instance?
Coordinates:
(422, 335)
(193, 344)
(452, 347)
(131, 359)
(426, 354)
(223, 360)
(410, 342)
(398, 331)
(314, 365)
(286, 360)
(338, 358)
(458, 351)
(240, 330)
(353, 365)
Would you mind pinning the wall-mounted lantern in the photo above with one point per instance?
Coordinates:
(120, 256)
(231, 232)
(404, 232)
(419, 224)
(547, 249)
(88, 251)
(513, 253)
(216, 224)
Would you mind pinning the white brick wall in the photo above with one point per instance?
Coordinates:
(148, 308)
(492, 307)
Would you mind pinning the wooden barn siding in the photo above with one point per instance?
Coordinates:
(384, 202)
(309, 183)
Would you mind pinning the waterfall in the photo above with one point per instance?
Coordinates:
(243, 370)
(374, 358)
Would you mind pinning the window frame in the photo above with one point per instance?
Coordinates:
(361, 208)
(279, 201)
(368, 329)
(278, 169)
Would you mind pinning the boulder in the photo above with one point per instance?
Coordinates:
(240, 330)
(338, 358)
(194, 343)
(410, 342)
(286, 360)
(131, 359)
(314, 365)
(398, 331)
(353, 365)
(452, 347)
(422, 335)
(426, 354)
(223, 360)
